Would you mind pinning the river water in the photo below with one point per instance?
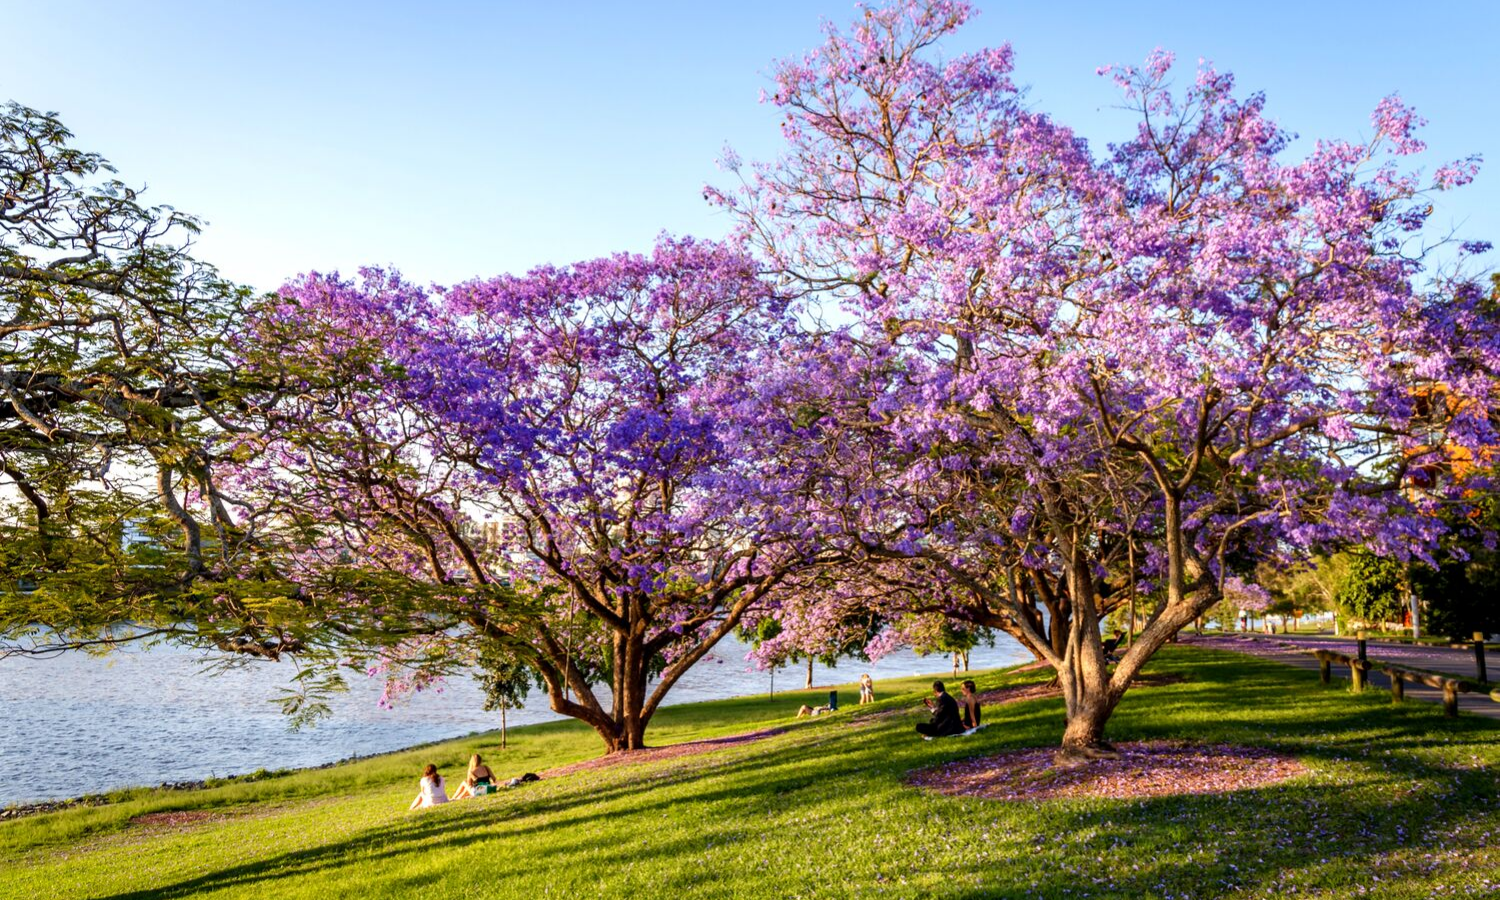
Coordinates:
(76, 724)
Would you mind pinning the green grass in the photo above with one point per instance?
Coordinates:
(1399, 803)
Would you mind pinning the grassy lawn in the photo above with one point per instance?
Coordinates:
(1399, 803)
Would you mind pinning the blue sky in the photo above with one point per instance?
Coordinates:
(461, 139)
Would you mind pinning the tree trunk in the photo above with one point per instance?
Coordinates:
(808, 685)
(1130, 560)
(502, 724)
(1083, 738)
(1084, 674)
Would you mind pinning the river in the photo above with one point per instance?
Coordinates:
(78, 724)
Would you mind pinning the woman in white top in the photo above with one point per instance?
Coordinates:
(866, 688)
(430, 790)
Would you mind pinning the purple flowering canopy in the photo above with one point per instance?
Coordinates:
(1076, 375)
(564, 463)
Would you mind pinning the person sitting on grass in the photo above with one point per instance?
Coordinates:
(968, 706)
(806, 710)
(1112, 644)
(944, 721)
(479, 775)
(430, 790)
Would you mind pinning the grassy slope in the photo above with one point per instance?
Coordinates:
(1395, 793)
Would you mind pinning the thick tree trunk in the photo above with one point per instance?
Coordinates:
(632, 736)
(1084, 674)
(808, 685)
(1083, 737)
(623, 727)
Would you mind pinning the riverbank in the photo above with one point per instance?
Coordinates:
(146, 717)
(122, 795)
(1383, 801)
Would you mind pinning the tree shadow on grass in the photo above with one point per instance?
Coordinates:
(1254, 836)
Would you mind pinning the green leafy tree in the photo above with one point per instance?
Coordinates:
(1372, 588)
(1459, 596)
(118, 386)
(506, 680)
(1303, 589)
(953, 638)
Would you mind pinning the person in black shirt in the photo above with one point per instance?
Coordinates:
(1112, 645)
(944, 721)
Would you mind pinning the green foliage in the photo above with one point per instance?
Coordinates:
(1372, 588)
(305, 701)
(117, 372)
(505, 678)
(1311, 587)
(1462, 595)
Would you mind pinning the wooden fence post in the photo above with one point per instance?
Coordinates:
(1357, 674)
(1450, 698)
(1325, 670)
(1398, 686)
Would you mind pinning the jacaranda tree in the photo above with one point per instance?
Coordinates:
(1109, 371)
(570, 465)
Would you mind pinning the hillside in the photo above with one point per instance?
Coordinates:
(1392, 801)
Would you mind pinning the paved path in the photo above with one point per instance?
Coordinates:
(1458, 661)
(1293, 650)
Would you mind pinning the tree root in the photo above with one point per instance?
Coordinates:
(1072, 757)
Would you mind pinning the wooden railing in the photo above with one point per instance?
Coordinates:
(1399, 675)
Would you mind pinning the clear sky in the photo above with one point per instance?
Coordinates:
(461, 139)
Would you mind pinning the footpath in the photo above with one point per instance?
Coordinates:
(1294, 650)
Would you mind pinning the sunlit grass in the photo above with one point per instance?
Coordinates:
(1396, 793)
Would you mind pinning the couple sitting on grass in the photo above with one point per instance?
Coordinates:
(431, 790)
(950, 717)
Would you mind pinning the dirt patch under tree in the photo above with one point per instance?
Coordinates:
(653, 754)
(176, 818)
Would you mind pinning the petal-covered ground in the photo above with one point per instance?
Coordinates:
(652, 754)
(1147, 769)
(1015, 694)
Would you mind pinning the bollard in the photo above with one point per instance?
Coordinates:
(1357, 675)
(1450, 699)
(1479, 655)
(1325, 670)
(833, 700)
(1398, 687)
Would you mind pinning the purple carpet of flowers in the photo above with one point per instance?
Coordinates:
(1147, 769)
